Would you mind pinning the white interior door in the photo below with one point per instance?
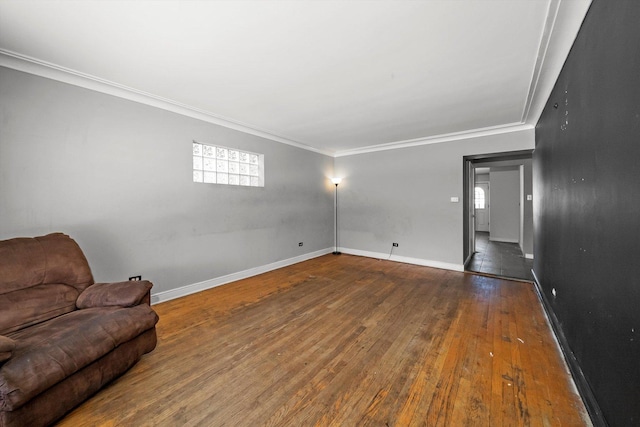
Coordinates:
(481, 203)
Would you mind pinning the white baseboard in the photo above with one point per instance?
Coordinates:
(528, 256)
(499, 239)
(212, 283)
(406, 260)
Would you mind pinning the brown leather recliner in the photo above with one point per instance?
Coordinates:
(62, 336)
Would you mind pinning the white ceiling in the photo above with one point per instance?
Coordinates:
(337, 77)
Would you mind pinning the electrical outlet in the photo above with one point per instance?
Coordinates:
(395, 245)
(135, 278)
(300, 244)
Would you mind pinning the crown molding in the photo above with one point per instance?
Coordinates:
(543, 47)
(455, 136)
(52, 71)
(561, 29)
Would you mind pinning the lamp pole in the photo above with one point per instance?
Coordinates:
(336, 181)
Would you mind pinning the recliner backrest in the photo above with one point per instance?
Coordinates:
(40, 278)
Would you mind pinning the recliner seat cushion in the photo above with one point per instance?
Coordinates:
(49, 352)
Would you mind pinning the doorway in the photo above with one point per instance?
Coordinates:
(498, 211)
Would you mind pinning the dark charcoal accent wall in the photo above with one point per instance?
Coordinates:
(587, 209)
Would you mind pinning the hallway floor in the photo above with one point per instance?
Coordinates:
(499, 259)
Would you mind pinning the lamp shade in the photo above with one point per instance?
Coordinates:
(336, 181)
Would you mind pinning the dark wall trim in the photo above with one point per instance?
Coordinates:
(493, 157)
(585, 391)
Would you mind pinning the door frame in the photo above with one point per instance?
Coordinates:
(469, 220)
(468, 178)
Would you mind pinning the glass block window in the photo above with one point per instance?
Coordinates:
(222, 165)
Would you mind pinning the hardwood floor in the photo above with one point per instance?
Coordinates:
(346, 341)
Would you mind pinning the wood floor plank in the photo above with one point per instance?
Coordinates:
(346, 340)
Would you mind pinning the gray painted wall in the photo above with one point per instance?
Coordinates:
(116, 176)
(404, 196)
(528, 208)
(482, 177)
(504, 225)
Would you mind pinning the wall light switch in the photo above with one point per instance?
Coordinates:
(455, 199)
(529, 197)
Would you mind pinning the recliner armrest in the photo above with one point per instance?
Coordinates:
(7, 345)
(123, 294)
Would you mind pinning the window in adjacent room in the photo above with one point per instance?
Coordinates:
(222, 165)
(479, 198)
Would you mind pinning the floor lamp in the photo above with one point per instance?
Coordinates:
(336, 181)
